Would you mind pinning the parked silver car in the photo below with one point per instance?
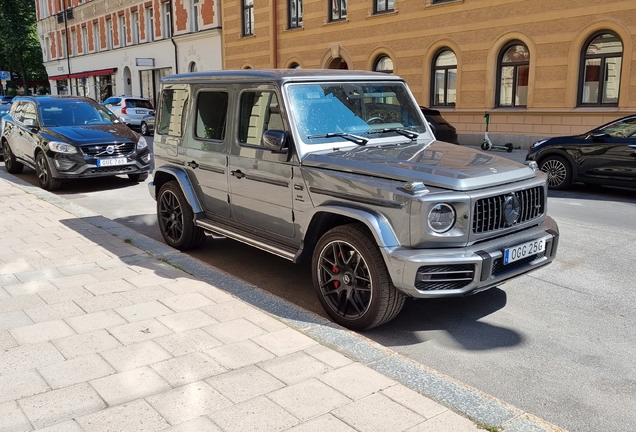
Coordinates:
(129, 109)
(147, 125)
(341, 168)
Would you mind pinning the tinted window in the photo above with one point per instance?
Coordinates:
(171, 110)
(138, 103)
(211, 115)
(621, 129)
(74, 113)
(259, 112)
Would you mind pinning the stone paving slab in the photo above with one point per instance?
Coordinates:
(101, 334)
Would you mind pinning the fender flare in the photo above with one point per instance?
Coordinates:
(379, 226)
(163, 175)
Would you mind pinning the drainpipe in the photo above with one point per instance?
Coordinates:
(176, 49)
(274, 36)
(68, 51)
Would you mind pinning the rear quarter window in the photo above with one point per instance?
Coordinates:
(171, 112)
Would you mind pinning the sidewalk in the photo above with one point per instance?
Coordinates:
(103, 329)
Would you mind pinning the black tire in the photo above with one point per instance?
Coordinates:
(509, 147)
(559, 172)
(144, 129)
(485, 145)
(10, 163)
(356, 292)
(43, 171)
(176, 218)
(139, 177)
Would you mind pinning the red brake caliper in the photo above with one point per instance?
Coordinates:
(336, 284)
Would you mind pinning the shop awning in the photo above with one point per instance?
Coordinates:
(83, 74)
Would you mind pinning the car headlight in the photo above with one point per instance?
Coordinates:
(61, 147)
(142, 143)
(441, 218)
(538, 143)
(533, 165)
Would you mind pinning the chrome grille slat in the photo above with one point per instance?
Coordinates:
(488, 215)
(98, 149)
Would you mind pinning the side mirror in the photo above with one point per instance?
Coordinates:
(275, 140)
(432, 128)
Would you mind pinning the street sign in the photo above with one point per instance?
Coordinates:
(3, 76)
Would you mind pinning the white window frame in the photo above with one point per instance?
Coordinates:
(109, 34)
(122, 30)
(84, 40)
(167, 20)
(150, 24)
(134, 30)
(96, 39)
(194, 16)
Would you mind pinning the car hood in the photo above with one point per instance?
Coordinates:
(438, 164)
(93, 134)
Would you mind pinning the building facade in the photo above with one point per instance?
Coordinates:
(539, 67)
(101, 48)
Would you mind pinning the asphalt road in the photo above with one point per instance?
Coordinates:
(559, 342)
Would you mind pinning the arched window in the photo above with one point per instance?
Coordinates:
(600, 76)
(514, 67)
(192, 67)
(294, 66)
(444, 79)
(384, 64)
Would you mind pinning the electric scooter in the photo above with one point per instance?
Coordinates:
(488, 145)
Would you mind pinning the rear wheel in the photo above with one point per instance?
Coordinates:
(144, 129)
(559, 172)
(10, 164)
(351, 279)
(139, 177)
(176, 218)
(42, 170)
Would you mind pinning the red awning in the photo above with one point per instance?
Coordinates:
(83, 74)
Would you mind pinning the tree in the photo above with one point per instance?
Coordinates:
(20, 49)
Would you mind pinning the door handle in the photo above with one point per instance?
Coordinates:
(238, 174)
(193, 164)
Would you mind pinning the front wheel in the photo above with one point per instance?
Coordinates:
(176, 218)
(485, 145)
(558, 170)
(10, 163)
(43, 171)
(351, 279)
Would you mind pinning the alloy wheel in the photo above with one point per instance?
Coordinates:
(556, 170)
(42, 170)
(344, 279)
(171, 216)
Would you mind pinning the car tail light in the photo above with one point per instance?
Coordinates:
(123, 110)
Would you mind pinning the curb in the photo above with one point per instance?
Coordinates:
(485, 410)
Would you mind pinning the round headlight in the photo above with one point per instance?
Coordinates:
(441, 218)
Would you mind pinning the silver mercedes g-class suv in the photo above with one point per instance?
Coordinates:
(341, 168)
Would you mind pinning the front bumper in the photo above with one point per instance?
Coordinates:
(434, 273)
(73, 166)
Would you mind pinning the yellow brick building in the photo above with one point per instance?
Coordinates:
(540, 67)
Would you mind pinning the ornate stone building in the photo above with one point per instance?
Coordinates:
(539, 67)
(100, 48)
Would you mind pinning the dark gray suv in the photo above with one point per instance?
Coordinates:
(342, 169)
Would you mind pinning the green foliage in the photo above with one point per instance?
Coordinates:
(20, 49)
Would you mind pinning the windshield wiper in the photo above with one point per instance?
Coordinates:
(404, 132)
(351, 137)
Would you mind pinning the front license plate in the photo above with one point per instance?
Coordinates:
(112, 162)
(524, 250)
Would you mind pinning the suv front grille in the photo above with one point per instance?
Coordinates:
(488, 214)
(100, 149)
(444, 277)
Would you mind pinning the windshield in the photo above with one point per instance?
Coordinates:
(75, 113)
(371, 109)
